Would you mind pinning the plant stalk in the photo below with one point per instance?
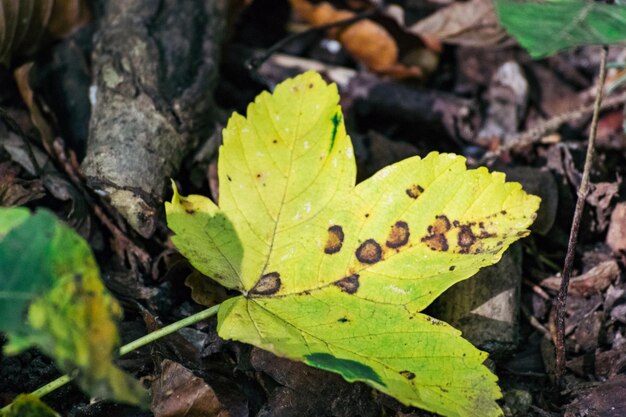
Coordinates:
(129, 347)
(561, 298)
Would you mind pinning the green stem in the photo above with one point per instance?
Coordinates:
(129, 347)
(48, 388)
(169, 329)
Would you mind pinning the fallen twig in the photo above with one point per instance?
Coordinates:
(537, 289)
(535, 323)
(546, 127)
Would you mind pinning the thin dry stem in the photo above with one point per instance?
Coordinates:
(561, 298)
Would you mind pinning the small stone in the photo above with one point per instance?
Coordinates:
(486, 307)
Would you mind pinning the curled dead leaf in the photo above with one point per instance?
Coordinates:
(27, 24)
(472, 23)
(616, 236)
(366, 40)
(596, 280)
(178, 392)
(16, 191)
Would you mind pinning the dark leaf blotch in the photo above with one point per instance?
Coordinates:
(268, 284)
(335, 240)
(369, 252)
(399, 235)
(349, 284)
(408, 375)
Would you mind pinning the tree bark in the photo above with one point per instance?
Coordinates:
(155, 65)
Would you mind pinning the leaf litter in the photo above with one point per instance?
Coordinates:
(572, 71)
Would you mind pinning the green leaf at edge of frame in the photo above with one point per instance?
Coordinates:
(548, 26)
(53, 298)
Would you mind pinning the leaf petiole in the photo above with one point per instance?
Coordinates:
(169, 329)
(129, 347)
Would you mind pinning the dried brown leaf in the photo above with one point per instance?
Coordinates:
(25, 25)
(600, 197)
(604, 399)
(472, 23)
(179, 393)
(616, 237)
(366, 40)
(67, 16)
(596, 280)
(37, 114)
(15, 191)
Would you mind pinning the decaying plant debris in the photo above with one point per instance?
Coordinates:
(134, 94)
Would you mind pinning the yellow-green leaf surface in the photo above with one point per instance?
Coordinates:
(51, 297)
(336, 275)
(28, 405)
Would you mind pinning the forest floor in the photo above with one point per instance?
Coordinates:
(486, 100)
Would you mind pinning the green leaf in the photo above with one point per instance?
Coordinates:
(548, 26)
(27, 405)
(335, 275)
(12, 218)
(50, 279)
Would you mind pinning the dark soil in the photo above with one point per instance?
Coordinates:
(238, 380)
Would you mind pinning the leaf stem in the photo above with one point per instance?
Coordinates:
(169, 329)
(561, 298)
(129, 347)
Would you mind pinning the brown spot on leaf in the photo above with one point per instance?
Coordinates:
(436, 239)
(466, 237)
(369, 252)
(187, 206)
(310, 85)
(399, 235)
(452, 268)
(434, 321)
(229, 178)
(343, 320)
(414, 191)
(348, 284)
(440, 225)
(484, 234)
(408, 375)
(274, 141)
(335, 240)
(268, 284)
(436, 242)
